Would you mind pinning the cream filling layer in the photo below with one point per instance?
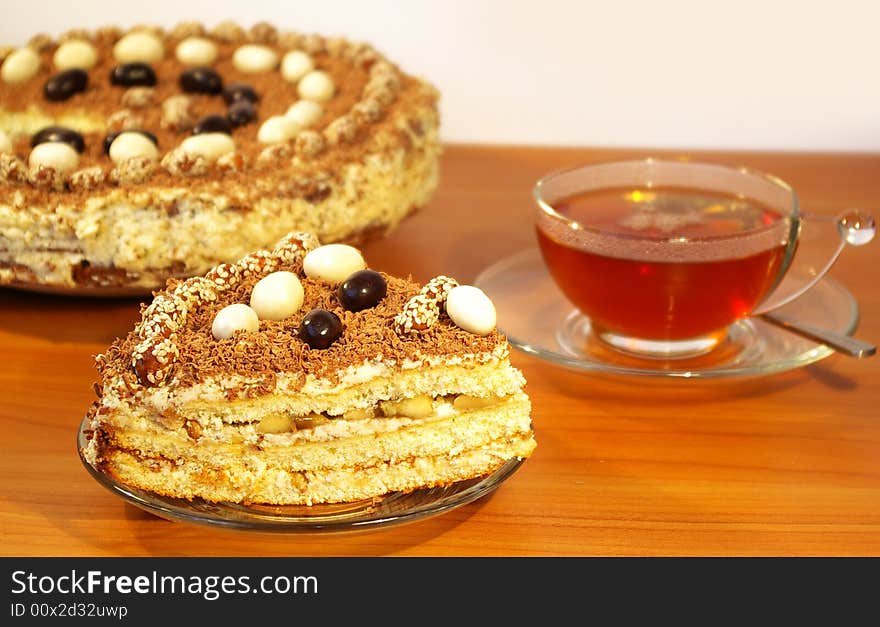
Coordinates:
(283, 485)
(34, 119)
(338, 443)
(357, 387)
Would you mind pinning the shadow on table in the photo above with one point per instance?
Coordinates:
(824, 374)
(67, 318)
(158, 537)
(114, 527)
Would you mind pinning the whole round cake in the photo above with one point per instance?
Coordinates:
(128, 157)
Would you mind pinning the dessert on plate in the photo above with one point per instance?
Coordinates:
(297, 375)
(131, 156)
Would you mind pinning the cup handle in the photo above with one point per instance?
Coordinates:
(821, 239)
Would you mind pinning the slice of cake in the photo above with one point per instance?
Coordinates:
(130, 156)
(299, 376)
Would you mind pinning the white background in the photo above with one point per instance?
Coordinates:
(750, 74)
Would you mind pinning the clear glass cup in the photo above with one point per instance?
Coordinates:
(663, 256)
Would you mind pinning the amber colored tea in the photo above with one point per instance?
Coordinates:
(647, 262)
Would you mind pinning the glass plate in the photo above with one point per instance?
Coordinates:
(539, 320)
(391, 509)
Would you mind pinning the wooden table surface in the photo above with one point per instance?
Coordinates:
(784, 465)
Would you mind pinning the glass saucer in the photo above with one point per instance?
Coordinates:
(539, 320)
(392, 509)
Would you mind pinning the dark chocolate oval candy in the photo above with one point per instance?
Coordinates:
(201, 80)
(133, 75)
(59, 134)
(234, 92)
(362, 290)
(63, 85)
(213, 124)
(241, 113)
(320, 328)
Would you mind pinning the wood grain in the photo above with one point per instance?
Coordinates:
(786, 465)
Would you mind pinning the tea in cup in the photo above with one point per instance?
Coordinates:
(663, 256)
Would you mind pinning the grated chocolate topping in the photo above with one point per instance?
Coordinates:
(183, 352)
(368, 88)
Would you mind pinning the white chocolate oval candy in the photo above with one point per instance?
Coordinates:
(333, 262)
(60, 156)
(132, 144)
(21, 65)
(75, 54)
(316, 85)
(254, 59)
(5, 143)
(305, 112)
(211, 146)
(470, 309)
(277, 296)
(196, 51)
(139, 46)
(237, 317)
(295, 65)
(276, 129)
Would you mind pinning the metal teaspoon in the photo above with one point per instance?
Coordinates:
(838, 341)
